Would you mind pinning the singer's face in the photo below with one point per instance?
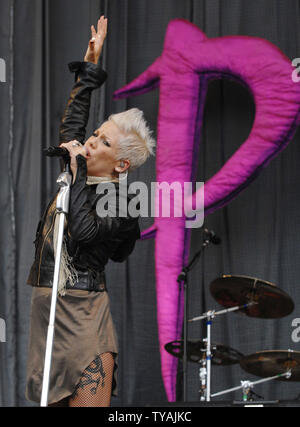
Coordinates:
(102, 148)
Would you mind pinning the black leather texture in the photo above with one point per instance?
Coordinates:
(91, 239)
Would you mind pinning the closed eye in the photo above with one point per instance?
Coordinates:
(96, 135)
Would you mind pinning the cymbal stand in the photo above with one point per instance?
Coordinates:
(209, 315)
(183, 277)
(202, 377)
(247, 386)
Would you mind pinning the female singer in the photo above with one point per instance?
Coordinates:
(85, 349)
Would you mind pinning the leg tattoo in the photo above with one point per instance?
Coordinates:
(92, 375)
(95, 385)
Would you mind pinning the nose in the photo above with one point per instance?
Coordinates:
(90, 143)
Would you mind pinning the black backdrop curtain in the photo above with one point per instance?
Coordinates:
(259, 230)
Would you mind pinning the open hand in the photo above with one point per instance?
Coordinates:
(96, 43)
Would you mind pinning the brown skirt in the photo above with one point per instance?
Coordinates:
(83, 329)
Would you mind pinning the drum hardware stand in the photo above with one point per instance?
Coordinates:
(248, 391)
(209, 315)
(202, 377)
(62, 208)
(183, 277)
(247, 386)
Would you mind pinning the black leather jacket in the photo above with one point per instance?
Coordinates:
(91, 240)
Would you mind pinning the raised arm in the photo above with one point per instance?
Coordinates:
(88, 76)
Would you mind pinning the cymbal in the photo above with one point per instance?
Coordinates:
(271, 302)
(196, 351)
(273, 362)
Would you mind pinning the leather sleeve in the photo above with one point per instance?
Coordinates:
(88, 76)
(84, 225)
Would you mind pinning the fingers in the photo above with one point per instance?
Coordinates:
(102, 26)
(101, 29)
(93, 31)
(97, 40)
(74, 150)
(99, 24)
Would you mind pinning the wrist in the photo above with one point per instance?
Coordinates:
(92, 60)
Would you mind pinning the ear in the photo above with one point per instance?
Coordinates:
(122, 166)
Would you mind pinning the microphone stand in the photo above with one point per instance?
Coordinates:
(62, 208)
(183, 277)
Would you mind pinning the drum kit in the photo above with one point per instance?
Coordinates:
(254, 298)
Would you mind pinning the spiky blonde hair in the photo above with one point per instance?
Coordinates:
(137, 144)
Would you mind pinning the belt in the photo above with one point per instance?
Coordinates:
(87, 281)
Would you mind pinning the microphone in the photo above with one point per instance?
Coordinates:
(57, 152)
(212, 237)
